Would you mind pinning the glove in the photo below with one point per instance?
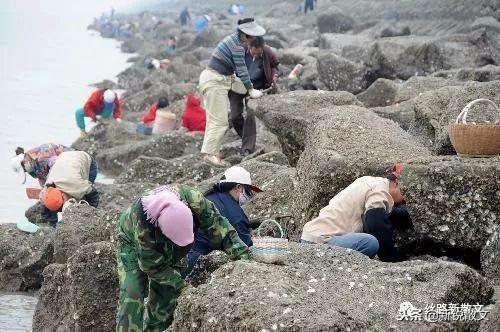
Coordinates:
(254, 94)
(118, 120)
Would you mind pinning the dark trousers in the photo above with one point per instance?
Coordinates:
(244, 126)
(309, 5)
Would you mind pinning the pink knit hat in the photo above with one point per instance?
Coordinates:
(165, 210)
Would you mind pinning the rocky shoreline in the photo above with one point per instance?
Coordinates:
(378, 85)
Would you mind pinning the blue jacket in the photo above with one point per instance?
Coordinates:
(230, 209)
(201, 24)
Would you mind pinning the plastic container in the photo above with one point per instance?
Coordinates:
(33, 193)
(164, 122)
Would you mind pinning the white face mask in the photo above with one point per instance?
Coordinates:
(243, 199)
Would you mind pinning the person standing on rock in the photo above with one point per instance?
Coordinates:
(184, 16)
(226, 71)
(233, 191)
(308, 5)
(154, 234)
(262, 65)
(100, 105)
(362, 217)
(38, 161)
(71, 179)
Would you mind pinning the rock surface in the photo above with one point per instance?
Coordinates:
(81, 295)
(490, 257)
(323, 289)
(23, 257)
(452, 201)
(80, 225)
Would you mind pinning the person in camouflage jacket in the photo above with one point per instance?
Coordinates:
(148, 256)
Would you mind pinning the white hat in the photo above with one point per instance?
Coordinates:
(252, 29)
(207, 18)
(109, 96)
(239, 175)
(156, 63)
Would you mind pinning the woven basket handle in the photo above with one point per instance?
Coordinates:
(271, 221)
(463, 115)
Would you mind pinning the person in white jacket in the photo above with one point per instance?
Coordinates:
(71, 177)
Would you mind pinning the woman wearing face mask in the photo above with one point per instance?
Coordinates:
(228, 195)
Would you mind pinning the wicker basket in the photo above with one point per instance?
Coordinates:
(270, 250)
(475, 140)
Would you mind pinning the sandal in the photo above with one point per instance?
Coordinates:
(211, 159)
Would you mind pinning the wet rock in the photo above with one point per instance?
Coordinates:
(81, 295)
(23, 257)
(334, 22)
(104, 136)
(436, 110)
(323, 289)
(161, 171)
(338, 73)
(171, 145)
(207, 38)
(401, 113)
(391, 32)
(453, 201)
(351, 142)
(80, 225)
(493, 321)
(288, 115)
(490, 258)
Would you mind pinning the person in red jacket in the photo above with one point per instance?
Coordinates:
(100, 105)
(149, 117)
(194, 117)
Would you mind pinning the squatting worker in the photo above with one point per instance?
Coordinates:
(102, 104)
(154, 234)
(362, 217)
(71, 177)
(226, 71)
(262, 66)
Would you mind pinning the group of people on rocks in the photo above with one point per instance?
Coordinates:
(165, 225)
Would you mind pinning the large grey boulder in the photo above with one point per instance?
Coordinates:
(288, 115)
(162, 171)
(171, 145)
(341, 74)
(382, 92)
(23, 257)
(350, 143)
(436, 110)
(105, 136)
(334, 21)
(119, 196)
(81, 295)
(80, 225)
(453, 201)
(322, 289)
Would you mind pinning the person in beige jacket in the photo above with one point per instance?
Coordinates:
(358, 218)
(71, 177)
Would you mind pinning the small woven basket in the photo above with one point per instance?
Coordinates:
(270, 250)
(475, 140)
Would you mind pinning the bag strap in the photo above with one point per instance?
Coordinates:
(463, 114)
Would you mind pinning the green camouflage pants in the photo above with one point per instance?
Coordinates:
(134, 313)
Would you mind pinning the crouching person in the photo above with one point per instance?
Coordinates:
(361, 217)
(154, 234)
(229, 195)
(71, 177)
